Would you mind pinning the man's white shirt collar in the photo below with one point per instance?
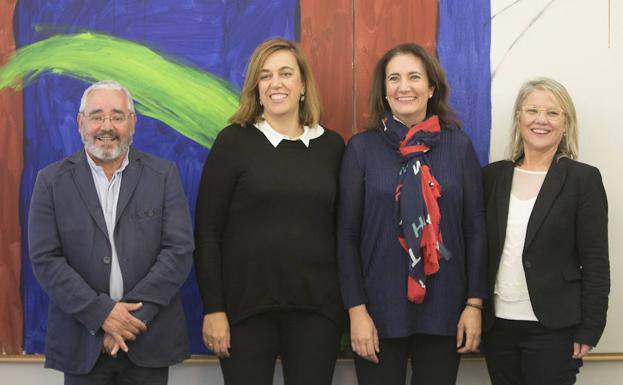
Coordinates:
(275, 138)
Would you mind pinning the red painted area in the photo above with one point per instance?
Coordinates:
(381, 25)
(326, 39)
(344, 39)
(11, 163)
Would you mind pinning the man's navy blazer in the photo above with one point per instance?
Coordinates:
(565, 255)
(71, 254)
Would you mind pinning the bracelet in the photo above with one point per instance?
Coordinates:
(479, 307)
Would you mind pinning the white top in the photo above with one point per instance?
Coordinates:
(275, 137)
(511, 297)
(108, 194)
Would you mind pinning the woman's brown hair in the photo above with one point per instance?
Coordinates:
(250, 110)
(437, 104)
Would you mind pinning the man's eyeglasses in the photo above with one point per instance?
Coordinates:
(551, 114)
(115, 119)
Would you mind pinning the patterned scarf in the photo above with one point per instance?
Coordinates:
(416, 210)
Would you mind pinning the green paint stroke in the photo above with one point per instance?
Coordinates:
(193, 102)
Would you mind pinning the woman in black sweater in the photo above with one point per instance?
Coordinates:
(265, 229)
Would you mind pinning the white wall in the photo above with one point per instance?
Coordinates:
(580, 44)
(570, 42)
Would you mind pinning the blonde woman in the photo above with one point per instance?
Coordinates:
(547, 222)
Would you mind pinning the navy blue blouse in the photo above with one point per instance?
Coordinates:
(373, 266)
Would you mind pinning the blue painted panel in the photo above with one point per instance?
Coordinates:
(463, 45)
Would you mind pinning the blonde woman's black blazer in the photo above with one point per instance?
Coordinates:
(565, 256)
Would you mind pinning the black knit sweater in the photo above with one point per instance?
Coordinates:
(265, 225)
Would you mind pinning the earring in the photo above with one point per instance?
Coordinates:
(386, 97)
(302, 97)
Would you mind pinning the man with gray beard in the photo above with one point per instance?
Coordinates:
(111, 242)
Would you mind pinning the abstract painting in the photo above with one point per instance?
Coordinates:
(184, 62)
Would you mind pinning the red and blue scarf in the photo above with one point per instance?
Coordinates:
(416, 209)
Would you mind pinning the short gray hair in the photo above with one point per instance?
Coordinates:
(106, 85)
